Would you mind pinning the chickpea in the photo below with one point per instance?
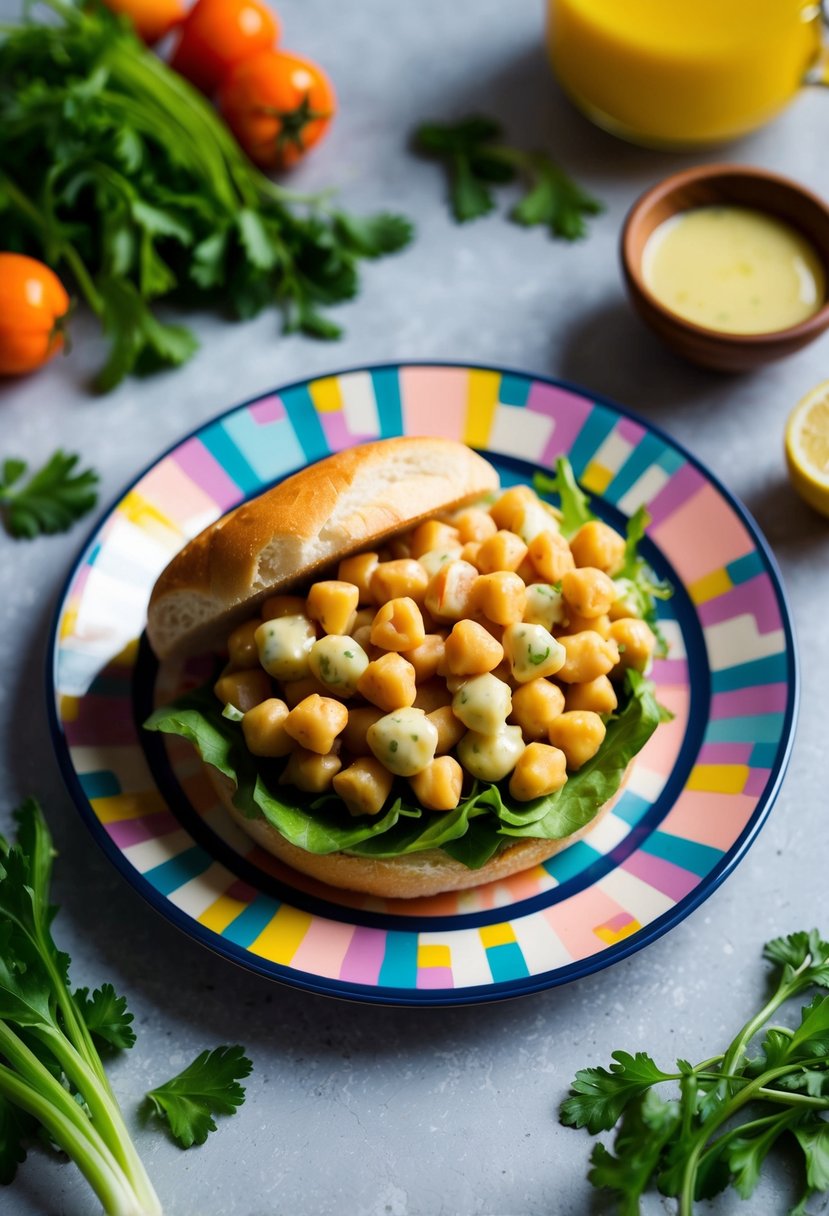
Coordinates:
(399, 548)
(532, 651)
(551, 556)
(364, 786)
(471, 552)
(363, 616)
(503, 551)
(597, 695)
(540, 771)
(358, 570)
(362, 636)
(316, 722)
(491, 757)
(504, 509)
(432, 534)
(527, 571)
(427, 657)
(588, 591)
(338, 662)
(579, 733)
(388, 682)
(276, 606)
(310, 772)
(448, 593)
(295, 691)
(334, 604)
(431, 695)
(501, 597)
(450, 729)
(627, 602)
(483, 704)
(284, 644)
(531, 519)
(470, 650)
(353, 737)
(596, 544)
(578, 624)
(404, 741)
(398, 625)
(401, 577)
(432, 562)
(438, 786)
(243, 689)
(474, 525)
(545, 606)
(534, 705)
(241, 645)
(635, 641)
(264, 729)
(588, 655)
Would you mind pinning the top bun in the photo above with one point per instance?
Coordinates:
(308, 521)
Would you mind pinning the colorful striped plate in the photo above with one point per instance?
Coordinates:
(693, 800)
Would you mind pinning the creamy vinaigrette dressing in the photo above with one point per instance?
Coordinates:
(734, 269)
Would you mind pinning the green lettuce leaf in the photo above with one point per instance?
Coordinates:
(486, 821)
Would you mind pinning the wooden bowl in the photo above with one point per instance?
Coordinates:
(717, 184)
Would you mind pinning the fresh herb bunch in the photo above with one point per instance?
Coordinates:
(731, 1109)
(51, 500)
(477, 159)
(52, 1078)
(119, 172)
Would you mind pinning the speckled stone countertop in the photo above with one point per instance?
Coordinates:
(446, 1112)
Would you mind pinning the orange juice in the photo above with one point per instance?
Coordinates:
(678, 74)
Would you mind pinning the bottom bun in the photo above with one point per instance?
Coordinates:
(415, 874)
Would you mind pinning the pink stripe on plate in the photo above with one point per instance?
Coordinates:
(434, 400)
(754, 598)
(206, 471)
(337, 433)
(757, 781)
(713, 819)
(101, 721)
(569, 412)
(662, 875)
(575, 920)
(685, 482)
(269, 409)
(133, 831)
(242, 891)
(174, 493)
(708, 517)
(364, 956)
(670, 671)
(762, 699)
(435, 977)
(725, 753)
(323, 948)
(630, 430)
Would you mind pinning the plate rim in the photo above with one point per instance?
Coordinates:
(496, 990)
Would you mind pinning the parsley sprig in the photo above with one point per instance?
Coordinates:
(52, 499)
(208, 1086)
(122, 175)
(730, 1110)
(478, 160)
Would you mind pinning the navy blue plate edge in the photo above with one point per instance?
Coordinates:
(422, 998)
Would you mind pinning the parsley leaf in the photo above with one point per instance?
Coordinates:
(208, 1086)
(574, 503)
(51, 500)
(599, 1096)
(106, 1016)
(646, 1125)
(477, 158)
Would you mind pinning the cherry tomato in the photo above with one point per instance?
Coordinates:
(33, 304)
(153, 19)
(217, 34)
(278, 106)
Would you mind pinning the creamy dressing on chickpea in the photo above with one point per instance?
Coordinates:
(479, 646)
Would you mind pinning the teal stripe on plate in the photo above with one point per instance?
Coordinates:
(222, 448)
(387, 395)
(100, 784)
(506, 962)
(306, 422)
(670, 461)
(249, 924)
(645, 454)
(172, 874)
(754, 728)
(631, 807)
(700, 859)
(514, 390)
(597, 426)
(763, 755)
(272, 450)
(745, 568)
(571, 862)
(399, 969)
(771, 670)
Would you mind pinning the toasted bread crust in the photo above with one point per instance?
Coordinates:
(344, 503)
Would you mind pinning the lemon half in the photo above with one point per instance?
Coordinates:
(807, 448)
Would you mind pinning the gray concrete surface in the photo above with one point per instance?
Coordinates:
(386, 1112)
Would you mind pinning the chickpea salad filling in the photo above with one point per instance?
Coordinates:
(478, 679)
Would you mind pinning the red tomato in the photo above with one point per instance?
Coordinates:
(153, 19)
(217, 34)
(33, 304)
(278, 106)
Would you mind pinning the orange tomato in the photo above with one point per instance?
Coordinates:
(217, 34)
(278, 106)
(33, 304)
(153, 19)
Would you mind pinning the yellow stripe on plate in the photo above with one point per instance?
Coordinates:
(496, 935)
(326, 395)
(718, 778)
(221, 913)
(710, 587)
(128, 806)
(481, 403)
(282, 936)
(434, 956)
(596, 478)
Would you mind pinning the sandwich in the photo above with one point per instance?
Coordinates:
(422, 682)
